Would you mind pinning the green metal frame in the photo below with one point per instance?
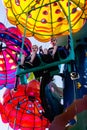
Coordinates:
(44, 66)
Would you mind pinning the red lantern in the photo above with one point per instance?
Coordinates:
(33, 88)
(22, 108)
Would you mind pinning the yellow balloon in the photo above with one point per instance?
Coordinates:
(44, 19)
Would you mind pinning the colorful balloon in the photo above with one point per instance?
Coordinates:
(22, 108)
(33, 88)
(10, 47)
(44, 19)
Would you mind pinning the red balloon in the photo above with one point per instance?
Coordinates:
(33, 88)
(22, 108)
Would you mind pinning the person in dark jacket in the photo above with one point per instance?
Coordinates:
(32, 60)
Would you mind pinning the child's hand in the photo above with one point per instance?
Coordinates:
(40, 48)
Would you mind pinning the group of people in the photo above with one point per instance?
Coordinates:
(47, 55)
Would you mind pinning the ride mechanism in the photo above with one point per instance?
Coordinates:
(44, 66)
(44, 13)
(70, 60)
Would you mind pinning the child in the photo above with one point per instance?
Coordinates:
(59, 51)
(45, 56)
(55, 47)
(31, 60)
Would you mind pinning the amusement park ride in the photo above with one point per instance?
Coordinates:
(74, 113)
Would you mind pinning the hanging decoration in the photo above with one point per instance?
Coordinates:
(10, 48)
(22, 109)
(44, 19)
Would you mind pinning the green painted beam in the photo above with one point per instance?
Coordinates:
(44, 66)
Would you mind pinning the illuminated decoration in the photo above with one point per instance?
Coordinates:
(10, 47)
(22, 109)
(44, 19)
(14, 35)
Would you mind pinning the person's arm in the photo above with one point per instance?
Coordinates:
(22, 59)
(33, 55)
(54, 50)
(40, 50)
(54, 43)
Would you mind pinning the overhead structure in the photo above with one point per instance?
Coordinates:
(44, 19)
